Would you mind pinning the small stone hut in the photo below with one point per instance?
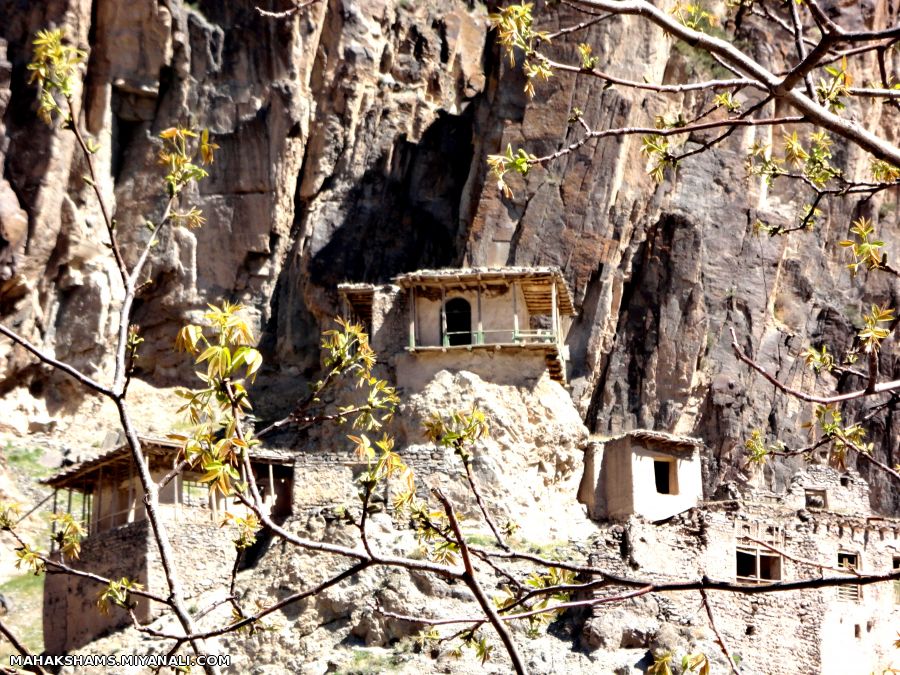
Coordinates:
(646, 473)
(105, 496)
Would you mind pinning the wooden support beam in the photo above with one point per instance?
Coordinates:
(515, 294)
(479, 339)
(412, 318)
(444, 338)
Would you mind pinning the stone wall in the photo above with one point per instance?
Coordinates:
(824, 631)
(70, 612)
(204, 554)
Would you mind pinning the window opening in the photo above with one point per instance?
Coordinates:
(896, 568)
(816, 499)
(757, 566)
(849, 561)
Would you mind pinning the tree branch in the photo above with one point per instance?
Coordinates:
(780, 87)
(59, 365)
(19, 647)
(472, 582)
(880, 388)
(715, 630)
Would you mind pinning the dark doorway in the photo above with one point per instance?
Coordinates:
(459, 322)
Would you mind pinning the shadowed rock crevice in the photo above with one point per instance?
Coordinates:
(403, 214)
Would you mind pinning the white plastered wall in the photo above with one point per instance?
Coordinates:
(496, 316)
(655, 506)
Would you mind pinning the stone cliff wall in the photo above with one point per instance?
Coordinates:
(353, 141)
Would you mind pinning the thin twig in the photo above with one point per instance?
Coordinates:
(19, 647)
(107, 219)
(472, 582)
(880, 388)
(715, 630)
(59, 365)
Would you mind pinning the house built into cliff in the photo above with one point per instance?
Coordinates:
(105, 496)
(523, 312)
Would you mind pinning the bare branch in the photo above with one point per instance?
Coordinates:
(288, 12)
(880, 388)
(484, 511)
(661, 88)
(19, 647)
(780, 87)
(801, 51)
(472, 582)
(59, 365)
(107, 219)
(715, 630)
(627, 131)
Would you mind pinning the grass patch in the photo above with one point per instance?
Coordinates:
(27, 461)
(30, 585)
(372, 662)
(481, 540)
(25, 595)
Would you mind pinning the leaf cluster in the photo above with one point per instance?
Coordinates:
(875, 331)
(69, 533)
(758, 452)
(657, 148)
(832, 91)
(215, 444)
(459, 431)
(118, 593)
(694, 15)
(517, 161)
(866, 248)
(54, 68)
(183, 151)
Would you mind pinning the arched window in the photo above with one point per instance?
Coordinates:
(458, 315)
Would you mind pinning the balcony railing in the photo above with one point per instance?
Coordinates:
(510, 335)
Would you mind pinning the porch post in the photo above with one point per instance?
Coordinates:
(445, 340)
(412, 318)
(100, 499)
(479, 338)
(554, 312)
(515, 294)
(129, 518)
(53, 528)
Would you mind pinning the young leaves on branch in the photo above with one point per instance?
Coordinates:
(54, 69)
(459, 431)
(69, 533)
(658, 151)
(875, 330)
(515, 30)
(866, 248)
(518, 162)
(831, 91)
(118, 594)
(757, 450)
(694, 16)
(180, 152)
(214, 445)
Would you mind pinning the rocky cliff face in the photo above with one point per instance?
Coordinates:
(353, 141)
